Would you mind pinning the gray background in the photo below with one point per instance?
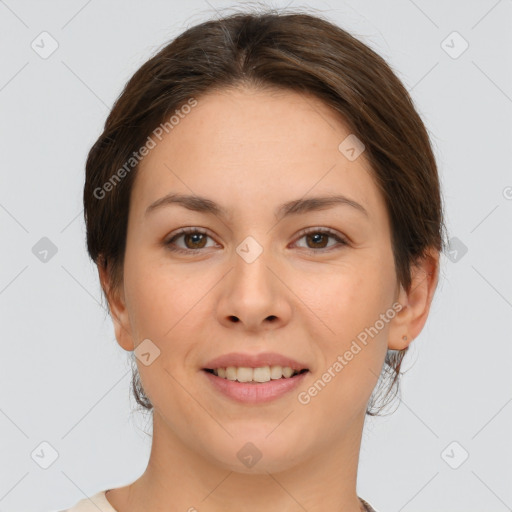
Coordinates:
(64, 379)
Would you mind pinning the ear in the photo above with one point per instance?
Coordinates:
(409, 321)
(117, 308)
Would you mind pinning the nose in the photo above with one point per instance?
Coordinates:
(253, 297)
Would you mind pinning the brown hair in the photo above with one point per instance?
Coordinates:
(296, 51)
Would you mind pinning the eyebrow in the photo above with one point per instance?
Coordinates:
(297, 206)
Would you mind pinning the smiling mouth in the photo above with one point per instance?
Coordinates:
(259, 375)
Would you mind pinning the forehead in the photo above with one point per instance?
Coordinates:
(255, 145)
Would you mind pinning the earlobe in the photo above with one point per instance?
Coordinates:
(117, 310)
(410, 320)
(399, 335)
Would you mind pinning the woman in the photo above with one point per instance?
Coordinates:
(265, 213)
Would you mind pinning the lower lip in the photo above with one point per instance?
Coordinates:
(254, 393)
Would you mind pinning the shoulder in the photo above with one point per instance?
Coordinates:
(93, 503)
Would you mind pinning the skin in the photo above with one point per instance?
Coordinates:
(250, 151)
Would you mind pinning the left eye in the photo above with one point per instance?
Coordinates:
(319, 237)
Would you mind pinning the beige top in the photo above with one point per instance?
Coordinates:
(96, 503)
(99, 502)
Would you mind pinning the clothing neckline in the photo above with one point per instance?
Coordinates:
(366, 505)
(101, 497)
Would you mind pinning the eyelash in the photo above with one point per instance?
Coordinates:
(323, 231)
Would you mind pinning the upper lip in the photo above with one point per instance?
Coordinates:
(240, 359)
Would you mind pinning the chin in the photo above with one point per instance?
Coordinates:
(260, 449)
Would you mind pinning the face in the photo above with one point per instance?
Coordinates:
(308, 282)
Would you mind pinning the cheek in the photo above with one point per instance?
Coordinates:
(354, 346)
(158, 297)
(161, 307)
(165, 305)
(350, 303)
(349, 298)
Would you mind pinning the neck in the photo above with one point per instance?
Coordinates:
(182, 476)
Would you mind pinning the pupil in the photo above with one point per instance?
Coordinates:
(194, 236)
(316, 236)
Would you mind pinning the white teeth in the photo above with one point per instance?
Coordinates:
(231, 373)
(276, 372)
(287, 372)
(244, 374)
(261, 374)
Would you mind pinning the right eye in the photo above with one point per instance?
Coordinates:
(194, 239)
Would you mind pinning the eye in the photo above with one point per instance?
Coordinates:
(194, 238)
(319, 237)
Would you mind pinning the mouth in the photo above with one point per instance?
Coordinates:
(259, 375)
(252, 386)
(254, 378)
